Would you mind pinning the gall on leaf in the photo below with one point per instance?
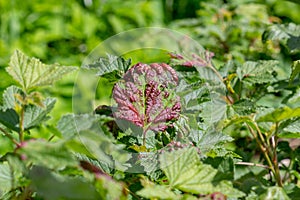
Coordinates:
(146, 97)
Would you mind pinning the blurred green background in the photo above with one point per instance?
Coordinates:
(66, 31)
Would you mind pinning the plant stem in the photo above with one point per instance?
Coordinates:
(21, 125)
(275, 160)
(133, 194)
(211, 66)
(252, 164)
(9, 136)
(263, 148)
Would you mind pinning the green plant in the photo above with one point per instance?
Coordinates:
(190, 126)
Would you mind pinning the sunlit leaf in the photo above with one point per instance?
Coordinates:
(280, 114)
(185, 172)
(31, 72)
(274, 193)
(157, 192)
(112, 67)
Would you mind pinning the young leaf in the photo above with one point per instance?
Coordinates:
(31, 72)
(112, 67)
(280, 114)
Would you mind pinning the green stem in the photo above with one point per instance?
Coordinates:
(263, 148)
(9, 136)
(133, 194)
(21, 125)
(252, 164)
(275, 160)
(211, 66)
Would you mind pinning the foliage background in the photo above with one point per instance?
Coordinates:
(67, 31)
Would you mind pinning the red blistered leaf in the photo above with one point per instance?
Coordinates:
(146, 98)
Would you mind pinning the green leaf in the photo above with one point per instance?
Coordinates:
(274, 193)
(226, 188)
(185, 171)
(238, 120)
(88, 138)
(257, 72)
(225, 167)
(12, 175)
(275, 32)
(9, 97)
(34, 115)
(31, 72)
(157, 192)
(149, 160)
(192, 95)
(52, 186)
(244, 107)
(293, 127)
(287, 34)
(101, 165)
(208, 140)
(214, 110)
(108, 188)
(9, 118)
(291, 131)
(50, 155)
(5, 178)
(112, 67)
(280, 114)
(295, 70)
